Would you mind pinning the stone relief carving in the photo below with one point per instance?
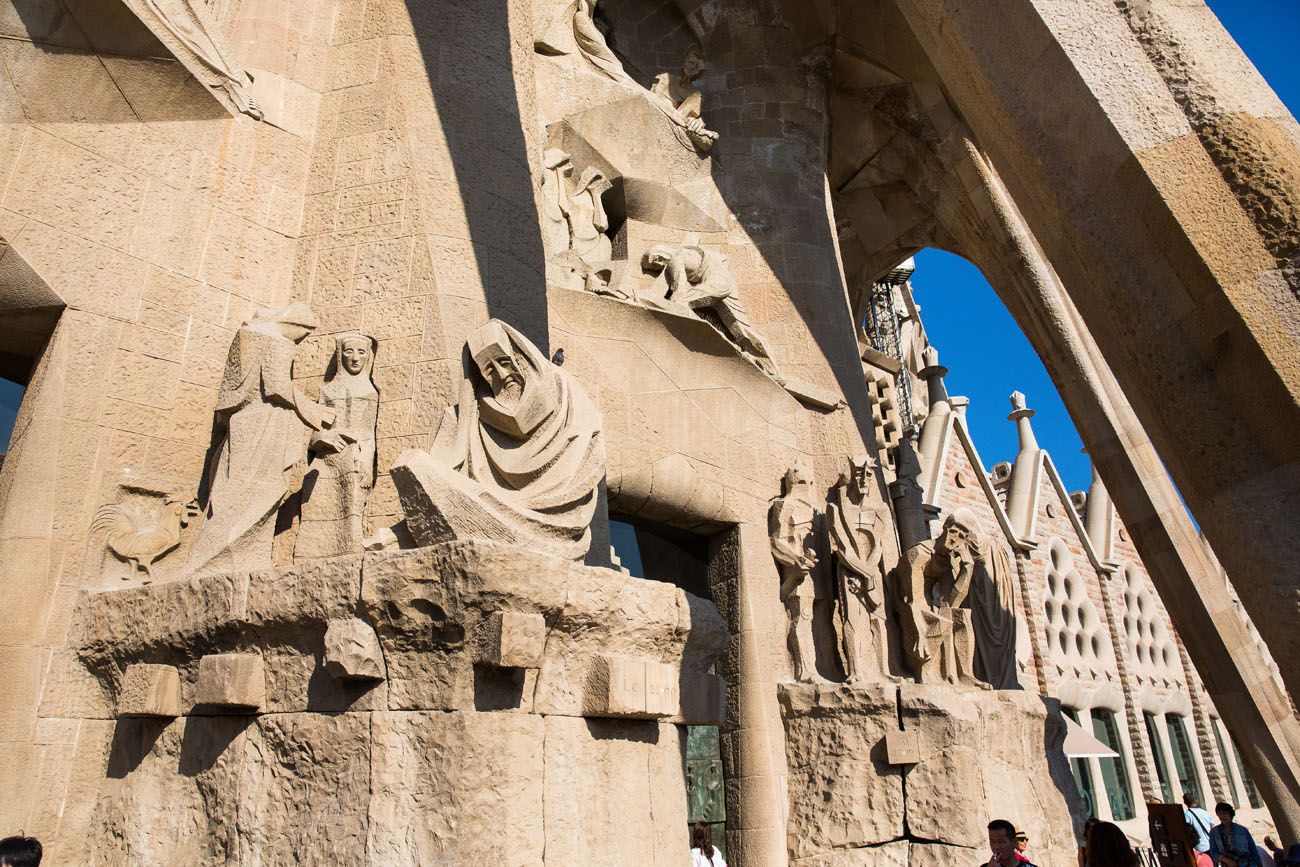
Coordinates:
(557, 168)
(342, 468)
(592, 45)
(143, 545)
(575, 224)
(992, 599)
(857, 521)
(682, 102)
(961, 624)
(259, 432)
(519, 459)
(792, 526)
(185, 24)
(698, 282)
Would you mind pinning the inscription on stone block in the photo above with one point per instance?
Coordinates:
(662, 694)
(232, 681)
(620, 686)
(150, 690)
(902, 748)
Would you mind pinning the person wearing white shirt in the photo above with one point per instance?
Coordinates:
(1200, 821)
(703, 852)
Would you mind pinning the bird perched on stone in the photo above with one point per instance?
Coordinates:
(143, 546)
(558, 358)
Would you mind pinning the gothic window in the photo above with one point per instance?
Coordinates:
(1158, 758)
(1082, 773)
(1114, 775)
(1184, 763)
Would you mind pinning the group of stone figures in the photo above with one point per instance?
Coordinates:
(518, 459)
(953, 598)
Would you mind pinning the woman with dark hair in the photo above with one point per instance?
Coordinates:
(1230, 844)
(703, 852)
(1109, 847)
(1083, 846)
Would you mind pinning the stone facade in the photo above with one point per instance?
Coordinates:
(353, 330)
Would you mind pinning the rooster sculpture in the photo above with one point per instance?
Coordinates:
(144, 546)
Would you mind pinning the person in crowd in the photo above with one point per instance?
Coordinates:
(1022, 843)
(20, 852)
(1289, 857)
(1198, 820)
(703, 852)
(1088, 825)
(1108, 846)
(1002, 845)
(1230, 844)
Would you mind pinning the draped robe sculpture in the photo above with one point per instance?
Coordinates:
(260, 431)
(342, 469)
(519, 458)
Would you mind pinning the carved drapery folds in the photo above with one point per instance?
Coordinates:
(260, 430)
(952, 597)
(519, 459)
(342, 468)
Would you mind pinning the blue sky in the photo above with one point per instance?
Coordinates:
(965, 318)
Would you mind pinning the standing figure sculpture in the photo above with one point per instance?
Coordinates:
(557, 167)
(342, 469)
(992, 601)
(682, 102)
(969, 623)
(791, 524)
(519, 459)
(857, 524)
(699, 281)
(260, 432)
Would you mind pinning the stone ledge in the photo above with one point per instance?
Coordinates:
(430, 609)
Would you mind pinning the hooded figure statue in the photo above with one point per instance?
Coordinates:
(342, 469)
(517, 460)
(260, 439)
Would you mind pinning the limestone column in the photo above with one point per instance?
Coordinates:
(932, 429)
(1023, 486)
(744, 582)
(1189, 295)
(1098, 519)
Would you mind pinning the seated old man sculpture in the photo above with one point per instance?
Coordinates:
(519, 459)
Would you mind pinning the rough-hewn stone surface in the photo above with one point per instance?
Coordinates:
(983, 755)
(449, 761)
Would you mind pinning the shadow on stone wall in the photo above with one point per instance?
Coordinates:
(468, 55)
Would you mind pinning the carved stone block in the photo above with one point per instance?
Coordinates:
(703, 699)
(662, 693)
(616, 688)
(231, 680)
(512, 639)
(902, 748)
(352, 651)
(150, 690)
